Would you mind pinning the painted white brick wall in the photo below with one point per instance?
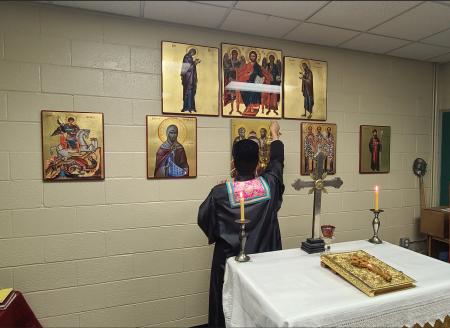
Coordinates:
(127, 251)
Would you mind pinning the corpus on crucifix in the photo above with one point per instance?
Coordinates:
(316, 244)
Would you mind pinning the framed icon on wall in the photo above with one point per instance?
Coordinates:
(257, 131)
(374, 149)
(190, 79)
(305, 89)
(251, 82)
(72, 146)
(317, 137)
(171, 147)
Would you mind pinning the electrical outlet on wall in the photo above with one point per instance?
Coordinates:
(404, 242)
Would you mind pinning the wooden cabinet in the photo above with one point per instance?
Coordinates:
(435, 223)
(437, 245)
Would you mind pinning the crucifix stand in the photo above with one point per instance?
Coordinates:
(315, 244)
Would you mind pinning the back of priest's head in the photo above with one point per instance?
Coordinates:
(246, 156)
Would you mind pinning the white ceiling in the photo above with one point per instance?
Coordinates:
(410, 29)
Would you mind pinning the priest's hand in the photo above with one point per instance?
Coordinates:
(275, 130)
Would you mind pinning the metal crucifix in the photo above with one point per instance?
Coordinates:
(315, 244)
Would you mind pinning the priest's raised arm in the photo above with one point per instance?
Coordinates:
(263, 198)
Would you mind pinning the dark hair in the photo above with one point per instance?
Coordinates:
(171, 126)
(374, 130)
(71, 119)
(252, 52)
(246, 156)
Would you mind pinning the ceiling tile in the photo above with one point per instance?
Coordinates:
(185, 12)
(219, 3)
(129, 8)
(245, 22)
(419, 22)
(440, 39)
(288, 9)
(419, 51)
(360, 15)
(441, 59)
(373, 43)
(319, 34)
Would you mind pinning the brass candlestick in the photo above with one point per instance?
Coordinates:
(242, 257)
(376, 226)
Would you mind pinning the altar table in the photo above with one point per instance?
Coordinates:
(289, 288)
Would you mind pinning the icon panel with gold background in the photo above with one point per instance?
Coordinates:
(72, 146)
(190, 79)
(317, 137)
(251, 82)
(171, 147)
(305, 89)
(256, 130)
(374, 149)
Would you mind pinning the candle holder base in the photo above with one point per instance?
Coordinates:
(242, 257)
(375, 239)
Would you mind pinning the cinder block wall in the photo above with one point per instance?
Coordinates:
(127, 251)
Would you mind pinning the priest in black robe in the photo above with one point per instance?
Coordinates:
(263, 198)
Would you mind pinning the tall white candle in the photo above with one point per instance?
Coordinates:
(376, 198)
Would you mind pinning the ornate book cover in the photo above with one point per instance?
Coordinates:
(366, 272)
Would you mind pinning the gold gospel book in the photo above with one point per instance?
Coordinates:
(366, 272)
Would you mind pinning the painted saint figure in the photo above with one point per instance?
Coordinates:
(230, 65)
(263, 140)
(241, 135)
(171, 159)
(329, 151)
(252, 72)
(319, 140)
(274, 69)
(77, 155)
(307, 89)
(375, 148)
(189, 80)
(264, 149)
(68, 134)
(308, 150)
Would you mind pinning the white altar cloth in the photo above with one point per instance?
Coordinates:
(289, 288)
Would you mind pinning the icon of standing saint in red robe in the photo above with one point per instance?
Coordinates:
(375, 148)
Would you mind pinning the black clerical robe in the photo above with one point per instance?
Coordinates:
(216, 218)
